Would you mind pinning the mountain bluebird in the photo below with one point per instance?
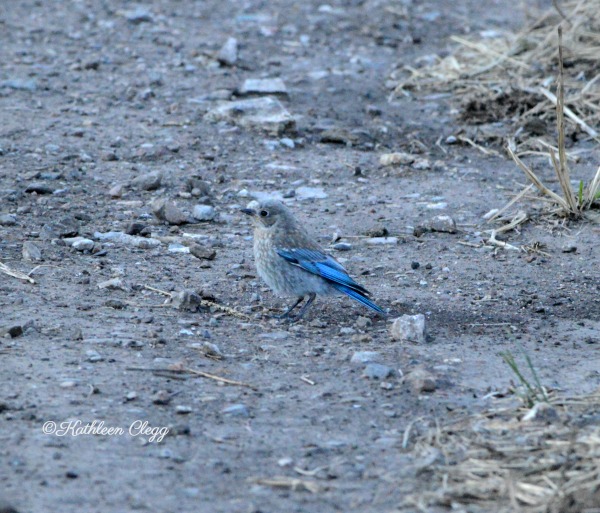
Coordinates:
(292, 264)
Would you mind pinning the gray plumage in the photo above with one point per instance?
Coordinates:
(292, 264)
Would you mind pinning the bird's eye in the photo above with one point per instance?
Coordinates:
(263, 213)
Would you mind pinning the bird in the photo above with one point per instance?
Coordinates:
(291, 263)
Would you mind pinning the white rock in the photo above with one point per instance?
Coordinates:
(263, 86)
(204, 213)
(264, 113)
(128, 240)
(304, 193)
(228, 53)
(365, 357)
(79, 243)
(409, 327)
(443, 223)
(377, 241)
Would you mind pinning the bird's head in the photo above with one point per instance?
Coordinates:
(268, 213)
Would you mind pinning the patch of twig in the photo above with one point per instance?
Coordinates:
(15, 274)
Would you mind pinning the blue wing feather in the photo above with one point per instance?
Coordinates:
(321, 264)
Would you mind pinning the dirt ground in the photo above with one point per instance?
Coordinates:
(96, 94)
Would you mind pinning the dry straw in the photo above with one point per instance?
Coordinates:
(508, 76)
(508, 461)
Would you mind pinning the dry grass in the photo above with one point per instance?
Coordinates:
(509, 76)
(506, 461)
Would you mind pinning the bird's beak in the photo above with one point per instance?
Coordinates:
(248, 211)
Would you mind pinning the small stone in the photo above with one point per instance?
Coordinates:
(68, 384)
(131, 396)
(116, 191)
(202, 253)
(31, 251)
(228, 54)
(306, 193)
(415, 265)
(138, 15)
(109, 156)
(263, 86)
(147, 181)
(12, 331)
(377, 371)
(409, 327)
(265, 113)
(8, 219)
(161, 397)
(288, 143)
(442, 223)
(204, 213)
(378, 241)
(93, 356)
(236, 410)
(65, 227)
(347, 330)
(398, 158)
(183, 409)
(80, 243)
(20, 84)
(365, 356)
(451, 139)
(168, 211)
(363, 322)
(135, 228)
(421, 164)
(210, 349)
(186, 300)
(569, 248)
(421, 381)
(113, 283)
(342, 246)
(285, 462)
(39, 188)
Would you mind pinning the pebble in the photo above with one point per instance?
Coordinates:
(116, 191)
(137, 228)
(442, 223)
(8, 219)
(236, 410)
(377, 371)
(421, 164)
(128, 240)
(365, 356)
(138, 15)
(265, 113)
(80, 243)
(65, 227)
(421, 381)
(263, 86)
(377, 241)
(569, 248)
(148, 181)
(390, 159)
(19, 84)
(409, 327)
(131, 396)
(168, 211)
(31, 251)
(39, 188)
(161, 397)
(306, 193)
(342, 246)
(93, 356)
(363, 322)
(183, 409)
(228, 54)
(12, 331)
(210, 349)
(204, 213)
(347, 330)
(68, 384)
(186, 300)
(113, 283)
(202, 253)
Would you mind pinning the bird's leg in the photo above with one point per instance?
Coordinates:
(311, 298)
(287, 312)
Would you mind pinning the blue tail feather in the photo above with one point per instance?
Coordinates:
(359, 297)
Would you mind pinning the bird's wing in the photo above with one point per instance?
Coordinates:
(321, 264)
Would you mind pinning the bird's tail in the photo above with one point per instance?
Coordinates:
(361, 298)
